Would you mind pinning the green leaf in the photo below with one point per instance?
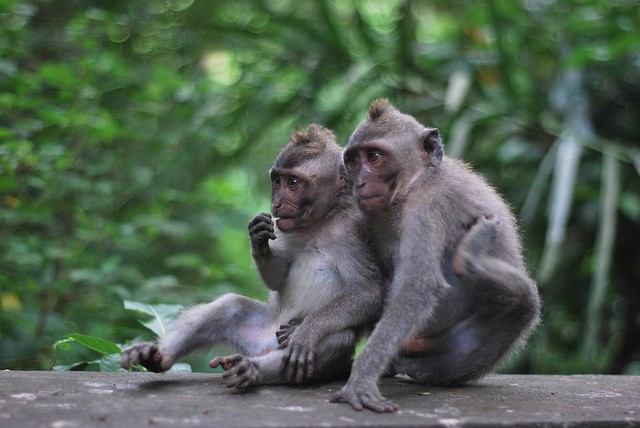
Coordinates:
(180, 368)
(110, 363)
(75, 367)
(63, 344)
(95, 343)
(163, 315)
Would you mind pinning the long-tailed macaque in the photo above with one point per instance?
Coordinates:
(325, 288)
(460, 297)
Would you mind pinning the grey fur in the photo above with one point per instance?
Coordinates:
(450, 247)
(321, 277)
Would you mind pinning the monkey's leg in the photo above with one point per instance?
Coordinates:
(334, 361)
(487, 276)
(466, 352)
(505, 307)
(243, 323)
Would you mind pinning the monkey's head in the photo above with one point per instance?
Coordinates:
(307, 179)
(386, 153)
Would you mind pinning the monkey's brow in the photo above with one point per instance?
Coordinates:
(287, 174)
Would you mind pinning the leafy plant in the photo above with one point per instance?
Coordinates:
(161, 317)
(135, 139)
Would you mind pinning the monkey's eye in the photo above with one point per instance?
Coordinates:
(351, 160)
(275, 182)
(373, 157)
(293, 183)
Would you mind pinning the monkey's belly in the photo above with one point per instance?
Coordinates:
(312, 283)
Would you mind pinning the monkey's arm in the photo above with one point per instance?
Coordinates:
(417, 285)
(273, 270)
(272, 263)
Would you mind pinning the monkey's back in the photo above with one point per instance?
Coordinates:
(456, 196)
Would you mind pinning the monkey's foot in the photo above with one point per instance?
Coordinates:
(146, 354)
(364, 395)
(474, 243)
(239, 371)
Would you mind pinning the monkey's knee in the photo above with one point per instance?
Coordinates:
(230, 301)
(475, 243)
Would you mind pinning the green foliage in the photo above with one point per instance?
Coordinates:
(135, 137)
(161, 316)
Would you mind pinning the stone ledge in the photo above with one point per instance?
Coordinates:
(81, 399)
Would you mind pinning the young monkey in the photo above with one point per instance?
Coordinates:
(325, 289)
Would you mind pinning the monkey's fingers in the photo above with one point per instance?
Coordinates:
(301, 367)
(283, 335)
(260, 218)
(309, 363)
(261, 223)
(262, 234)
(283, 342)
(290, 362)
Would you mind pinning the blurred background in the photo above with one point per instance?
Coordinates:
(136, 136)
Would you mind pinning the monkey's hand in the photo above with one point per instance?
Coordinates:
(146, 354)
(299, 355)
(260, 232)
(284, 333)
(363, 394)
(239, 371)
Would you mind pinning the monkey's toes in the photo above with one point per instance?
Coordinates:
(147, 355)
(239, 371)
(225, 362)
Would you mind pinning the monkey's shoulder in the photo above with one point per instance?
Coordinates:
(455, 188)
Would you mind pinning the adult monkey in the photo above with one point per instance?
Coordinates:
(460, 297)
(325, 288)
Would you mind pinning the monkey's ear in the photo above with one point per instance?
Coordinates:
(432, 146)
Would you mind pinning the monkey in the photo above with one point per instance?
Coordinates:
(460, 299)
(324, 285)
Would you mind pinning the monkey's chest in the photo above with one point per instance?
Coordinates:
(312, 282)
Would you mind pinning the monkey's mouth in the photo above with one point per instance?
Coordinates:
(285, 224)
(369, 202)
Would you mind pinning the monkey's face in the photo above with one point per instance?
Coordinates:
(297, 200)
(373, 171)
